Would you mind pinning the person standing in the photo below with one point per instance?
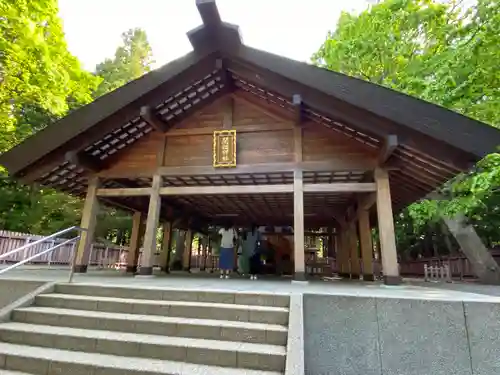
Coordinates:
(226, 256)
(251, 246)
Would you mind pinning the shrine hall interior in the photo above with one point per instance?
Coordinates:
(313, 148)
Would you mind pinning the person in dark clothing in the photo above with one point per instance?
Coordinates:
(251, 243)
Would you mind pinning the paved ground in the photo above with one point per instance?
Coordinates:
(411, 289)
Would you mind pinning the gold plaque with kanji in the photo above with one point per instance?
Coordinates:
(224, 153)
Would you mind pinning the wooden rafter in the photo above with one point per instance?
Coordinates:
(148, 115)
(389, 146)
(84, 161)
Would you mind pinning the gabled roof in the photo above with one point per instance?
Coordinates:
(434, 143)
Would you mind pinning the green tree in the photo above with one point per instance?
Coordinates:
(39, 79)
(133, 59)
(443, 53)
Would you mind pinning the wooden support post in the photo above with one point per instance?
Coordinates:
(365, 242)
(204, 251)
(186, 258)
(135, 242)
(330, 242)
(354, 251)
(390, 266)
(343, 255)
(89, 220)
(298, 226)
(149, 251)
(165, 246)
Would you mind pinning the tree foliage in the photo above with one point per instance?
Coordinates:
(131, 60)
(444, 53)
(40, 81)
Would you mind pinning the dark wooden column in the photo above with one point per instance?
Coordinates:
(186, 258)
(365, 241)
(165, 250)
(88, 222)
(138, 228)
(151, 228)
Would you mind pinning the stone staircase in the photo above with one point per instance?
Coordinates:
(89, 329)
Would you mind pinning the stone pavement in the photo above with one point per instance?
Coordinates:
(409, 290)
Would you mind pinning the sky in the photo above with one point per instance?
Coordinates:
(292, 28)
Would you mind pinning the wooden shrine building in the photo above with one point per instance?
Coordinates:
(229, 132)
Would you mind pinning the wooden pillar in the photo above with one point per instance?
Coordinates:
(204, 251)
(165, 246)
(330, 243)
(88, 222)
(186, 257)
(365, 242)
(135, 242)
(354, 251)
(151, 228)
(390, 266)
(343, 255)
(298, 225)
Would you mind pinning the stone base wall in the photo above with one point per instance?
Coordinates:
(373, 336)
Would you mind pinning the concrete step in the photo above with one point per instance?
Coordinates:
(239, 298)
(7, 372)
(154, 324)
(198, 351)
(49, 361)
(186, 309)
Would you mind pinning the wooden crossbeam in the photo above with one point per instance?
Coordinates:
(124, 192)
(224, 190)
(148, 115)
(390, 145)
(341, 187)
(341, 164)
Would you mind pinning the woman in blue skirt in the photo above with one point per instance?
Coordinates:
(226, 256)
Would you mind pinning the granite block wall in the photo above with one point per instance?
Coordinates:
(355, 335)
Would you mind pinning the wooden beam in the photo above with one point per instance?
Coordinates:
(148, 115)
(388, 148)
(227, 189)
(251, 128)
(333, 165)
(208, 12)
(366, 202)
(84, 161)
(124, 192)
(340, 187)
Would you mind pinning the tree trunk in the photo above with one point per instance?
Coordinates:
(483, 264)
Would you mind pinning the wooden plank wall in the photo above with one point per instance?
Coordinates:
(255, 147)
(322, 143)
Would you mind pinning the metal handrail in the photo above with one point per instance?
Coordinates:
(40, 241)
(45, 239)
